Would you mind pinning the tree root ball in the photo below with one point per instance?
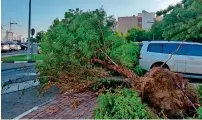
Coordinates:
(168, 93)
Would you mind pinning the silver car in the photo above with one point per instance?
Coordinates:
(5, 47)
(14, 46)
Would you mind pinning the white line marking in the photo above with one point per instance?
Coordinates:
(20, 61)
(25, 113)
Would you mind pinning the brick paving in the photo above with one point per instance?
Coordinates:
(67, 106)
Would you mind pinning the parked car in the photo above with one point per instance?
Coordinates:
(187, 60)
(23, 46)
(5, 47)
(14, 46)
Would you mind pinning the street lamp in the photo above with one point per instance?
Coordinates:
(11, 24)
(151, 22)
(29, 26)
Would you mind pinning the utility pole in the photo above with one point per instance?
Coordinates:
(29, 26)
(151, 23)
(11, 24)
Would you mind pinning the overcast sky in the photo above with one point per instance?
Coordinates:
(45, 11)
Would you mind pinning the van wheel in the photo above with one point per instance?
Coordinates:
(158, 64)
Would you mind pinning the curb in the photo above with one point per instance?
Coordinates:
(31, 61)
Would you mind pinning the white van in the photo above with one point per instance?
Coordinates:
(187, 60)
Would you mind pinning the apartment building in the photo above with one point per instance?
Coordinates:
(126, 23)
(143, 20)
(147, 19)
(9, 35)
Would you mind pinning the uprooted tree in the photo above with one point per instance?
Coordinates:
(82, 47)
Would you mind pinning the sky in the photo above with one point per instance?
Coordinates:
(45, 11)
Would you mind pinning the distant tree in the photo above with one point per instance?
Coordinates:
(138, 35)
(182, 21)
(39, 35)
(157, 30)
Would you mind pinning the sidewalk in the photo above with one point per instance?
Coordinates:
(67, 106)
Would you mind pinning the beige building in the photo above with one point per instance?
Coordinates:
(126, 23)
(9, 35)
(144, 20)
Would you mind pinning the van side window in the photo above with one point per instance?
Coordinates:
(195, 50)
(169, 48)
(155, 47)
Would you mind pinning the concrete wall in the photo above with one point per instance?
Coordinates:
(126, 23)
(147, 17)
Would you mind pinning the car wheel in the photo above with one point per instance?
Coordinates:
(165, 66)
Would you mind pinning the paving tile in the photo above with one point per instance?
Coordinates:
(62, 107)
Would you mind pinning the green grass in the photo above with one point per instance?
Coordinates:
(35, 57)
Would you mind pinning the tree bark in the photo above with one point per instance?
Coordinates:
(121, 70)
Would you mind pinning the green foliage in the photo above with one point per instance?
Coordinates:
(138, 35)
(183, 22)
(157, 29)
(199, 91)
(39, 36)
(109, 84)
(80, 36)
(139, 70)
(126, 54)
(124, 104)
(199, 112)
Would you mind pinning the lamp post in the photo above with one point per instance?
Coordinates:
(11, 24)
(29, 26)
(151, 22)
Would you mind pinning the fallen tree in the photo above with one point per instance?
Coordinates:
(83, 42)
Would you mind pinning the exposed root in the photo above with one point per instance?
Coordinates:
(165, 91)
(168, 92)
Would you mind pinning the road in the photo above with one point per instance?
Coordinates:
(18, 52)
(13, 71)
(15, 103)
(6, 66)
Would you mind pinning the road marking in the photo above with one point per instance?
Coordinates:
(20, 61)
(33, 109)
(25, 113)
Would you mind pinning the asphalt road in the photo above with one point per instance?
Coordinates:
(7, 66)
(13, 71)
(4, 54)
(15, 103)
(25, 73)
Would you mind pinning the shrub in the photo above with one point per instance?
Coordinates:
(123, 104)
(139, 71)
(199, 112)
(108, 84)
(199, 91)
